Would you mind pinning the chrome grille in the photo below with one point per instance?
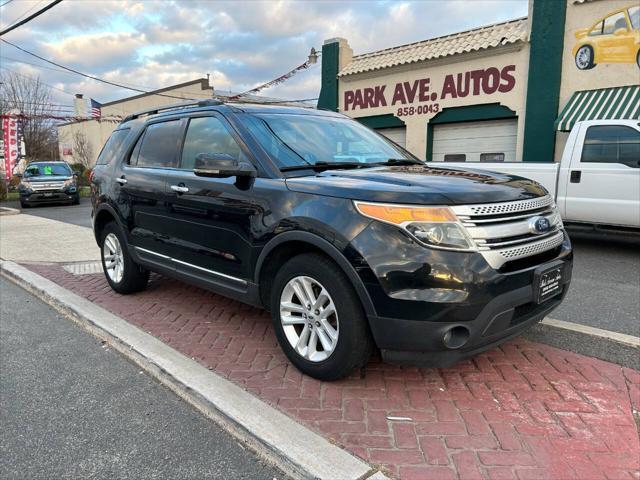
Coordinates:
(502, 208)
(502, 231)
(47, 186)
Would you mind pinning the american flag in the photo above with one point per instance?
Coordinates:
(96, 110)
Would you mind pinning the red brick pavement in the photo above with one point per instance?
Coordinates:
(522, 411)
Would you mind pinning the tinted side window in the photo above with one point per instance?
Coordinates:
(133, 159)
(112, 147)
(159, 145)
(207, 135)
(611, 144)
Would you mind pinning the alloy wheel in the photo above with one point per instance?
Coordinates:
(309, 318)
(113, 258)
(583, 58)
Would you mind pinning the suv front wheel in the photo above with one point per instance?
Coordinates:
(122, 273)
(318, 318)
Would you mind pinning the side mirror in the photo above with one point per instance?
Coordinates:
(222, 165)
(75, 174)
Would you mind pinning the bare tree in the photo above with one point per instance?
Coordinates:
(82, 151)
(33, 99)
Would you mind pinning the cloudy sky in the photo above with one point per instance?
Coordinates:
(155, 43)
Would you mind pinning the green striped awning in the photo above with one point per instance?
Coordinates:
(620, 103)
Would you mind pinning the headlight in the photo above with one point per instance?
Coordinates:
(433, 226)
(69, 183)
(556, 219)
(25, 184)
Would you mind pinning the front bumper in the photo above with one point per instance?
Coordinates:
(421, 343)
(48, 197)
(420, 295)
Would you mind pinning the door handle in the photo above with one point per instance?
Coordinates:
(576, 175)
(121, 180)
(179, 188)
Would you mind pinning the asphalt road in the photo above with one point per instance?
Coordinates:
(71, 407)
(605, 290)
(605, 287)
(76, 214)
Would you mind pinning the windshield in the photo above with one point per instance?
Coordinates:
(45, 169)
(298, 140)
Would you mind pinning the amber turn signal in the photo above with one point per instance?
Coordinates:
(400, 214)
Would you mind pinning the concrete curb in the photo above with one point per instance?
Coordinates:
(293, 448)
(594, 342)
(9, 211)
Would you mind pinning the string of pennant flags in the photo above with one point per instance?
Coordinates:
(64, 118)
(275, 81)
(94, 112)
(12, 122)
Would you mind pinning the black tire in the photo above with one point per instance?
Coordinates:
(76, 199)
(586, 64)
(354, 343)
(134, 277)
(24, 204)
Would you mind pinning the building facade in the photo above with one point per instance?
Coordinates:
(504, 92)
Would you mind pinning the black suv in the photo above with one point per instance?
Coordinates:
(350, 241)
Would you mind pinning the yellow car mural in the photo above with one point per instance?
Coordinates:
(612, 39)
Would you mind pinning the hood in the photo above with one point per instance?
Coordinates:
(418, 184)
(581, 33)
(47, 178)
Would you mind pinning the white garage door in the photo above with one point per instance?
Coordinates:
(485, 141)
(397, 135)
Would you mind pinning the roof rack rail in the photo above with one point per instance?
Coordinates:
(209, 102)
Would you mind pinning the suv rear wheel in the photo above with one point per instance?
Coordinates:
(122, 273)
(318, 318)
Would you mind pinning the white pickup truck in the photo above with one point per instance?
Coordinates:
(598, 179)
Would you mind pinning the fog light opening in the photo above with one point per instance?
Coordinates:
(456, 337)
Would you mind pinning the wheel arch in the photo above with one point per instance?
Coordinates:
(288, 244)
(104, 215)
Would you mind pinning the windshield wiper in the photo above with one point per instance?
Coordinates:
(322, 166)
(400, 161)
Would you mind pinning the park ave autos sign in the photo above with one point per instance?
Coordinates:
(421, 96)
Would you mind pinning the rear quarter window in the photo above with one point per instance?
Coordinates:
(112, 147)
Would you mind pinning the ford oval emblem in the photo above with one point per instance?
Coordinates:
(539, 225)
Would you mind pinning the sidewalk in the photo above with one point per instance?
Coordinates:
(521, 411)
(27, 238)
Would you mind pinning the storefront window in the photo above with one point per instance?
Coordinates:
(455, 157)
(492, 157)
